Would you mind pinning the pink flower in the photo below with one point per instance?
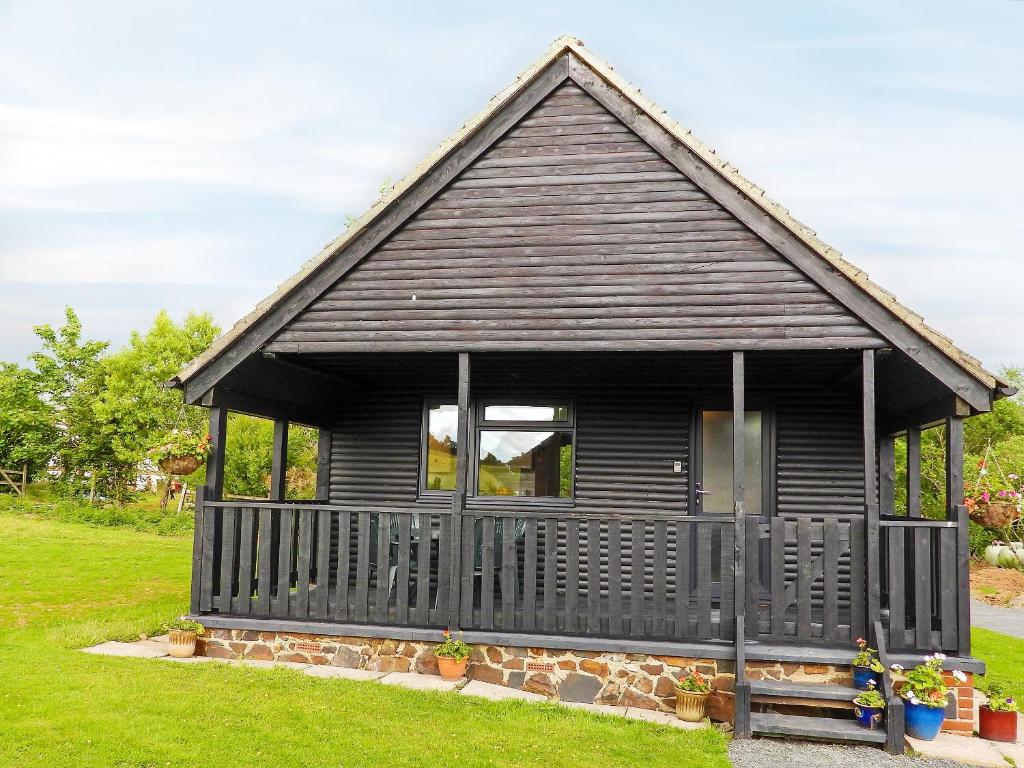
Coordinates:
(985, 496)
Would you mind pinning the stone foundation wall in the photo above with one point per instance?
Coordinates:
(627, 680)
(618, 679)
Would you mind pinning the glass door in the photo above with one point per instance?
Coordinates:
(713, 493)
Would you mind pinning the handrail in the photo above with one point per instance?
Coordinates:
(525, 512)
(894, 736)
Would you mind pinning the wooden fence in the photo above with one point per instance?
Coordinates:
(17, 479)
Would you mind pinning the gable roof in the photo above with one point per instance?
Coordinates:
(295, 293)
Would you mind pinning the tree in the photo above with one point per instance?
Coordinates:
(121, 409)
(248, 453)
(28, 427)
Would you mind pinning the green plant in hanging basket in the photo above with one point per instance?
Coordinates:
(180, 452)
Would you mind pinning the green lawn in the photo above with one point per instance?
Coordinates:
(1004, 656)
(65, 585)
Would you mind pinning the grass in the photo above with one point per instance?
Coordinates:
(1004, 659)
(65, 585)
(142, 515)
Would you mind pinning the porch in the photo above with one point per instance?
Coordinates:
(633, 562)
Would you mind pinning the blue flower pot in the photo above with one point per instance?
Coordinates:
(863, 676)
(868, 717)
(923, 722)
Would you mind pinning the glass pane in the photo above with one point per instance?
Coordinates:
(526, 413)
(716, 449)
(442, 423)
(514, 463)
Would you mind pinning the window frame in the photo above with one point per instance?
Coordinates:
(478, 424)
(421, 483)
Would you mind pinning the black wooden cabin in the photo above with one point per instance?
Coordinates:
(579, 384)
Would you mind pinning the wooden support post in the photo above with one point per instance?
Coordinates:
(279, 461)
(459, 494)
(954, 465)
(24, 479)
(323, 465)
(739, 484)
(873, 544)
(913, 472)
(215, 461)
(197, 553)
(887, 475)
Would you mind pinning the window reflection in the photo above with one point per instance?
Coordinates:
(526, 413)
(519, 463)
(442, 426)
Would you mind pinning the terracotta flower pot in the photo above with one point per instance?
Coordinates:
(997, 726)
(182, 643)
(452, 669)
(690, 706)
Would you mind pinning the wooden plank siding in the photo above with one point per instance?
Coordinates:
(593, 238)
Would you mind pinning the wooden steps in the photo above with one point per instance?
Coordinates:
(824, 728)
(813, 691)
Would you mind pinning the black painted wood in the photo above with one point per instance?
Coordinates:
(279, 461)
(197, 552)
(543, 230)
(913, 472)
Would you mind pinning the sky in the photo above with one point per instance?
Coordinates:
(192, 155)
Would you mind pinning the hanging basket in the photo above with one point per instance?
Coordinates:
(180, 465)
(995, 514)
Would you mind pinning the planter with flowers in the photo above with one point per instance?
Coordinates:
(452, 656)
(869, 706)
(181, 453)
(692, 697)
(993, 502)
(182, 635)
(997, 717)
(925, 692)
(867, 669)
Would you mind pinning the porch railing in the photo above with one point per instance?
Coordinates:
(925, 582)
(633, 576)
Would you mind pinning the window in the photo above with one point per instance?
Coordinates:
(441, 444)
(716, 462)
(525, 450)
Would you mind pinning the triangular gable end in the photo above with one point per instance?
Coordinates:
(571, 233)
(568, 58)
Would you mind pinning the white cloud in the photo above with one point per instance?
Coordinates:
(184, 260)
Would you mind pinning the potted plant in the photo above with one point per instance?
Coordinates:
(867, 669)
(869, 706)
(997, 717)
(182, 634)
(993, 503)
(925, 692)
(180, 452)
(692, 697)
(452, 656)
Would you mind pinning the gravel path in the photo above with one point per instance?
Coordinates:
(768, 753)
(1009, 621)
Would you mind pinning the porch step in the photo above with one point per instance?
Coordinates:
(816, 691)
(824, 728)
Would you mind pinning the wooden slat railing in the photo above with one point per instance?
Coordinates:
(640, 576)
(922, 563)
(811, 590)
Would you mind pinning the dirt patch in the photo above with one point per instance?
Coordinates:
(997, 586)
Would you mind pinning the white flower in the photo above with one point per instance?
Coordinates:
(982, 471)
(928, 658)
(912, 698)
(897, 668)
(957, 674)
(939, 657)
